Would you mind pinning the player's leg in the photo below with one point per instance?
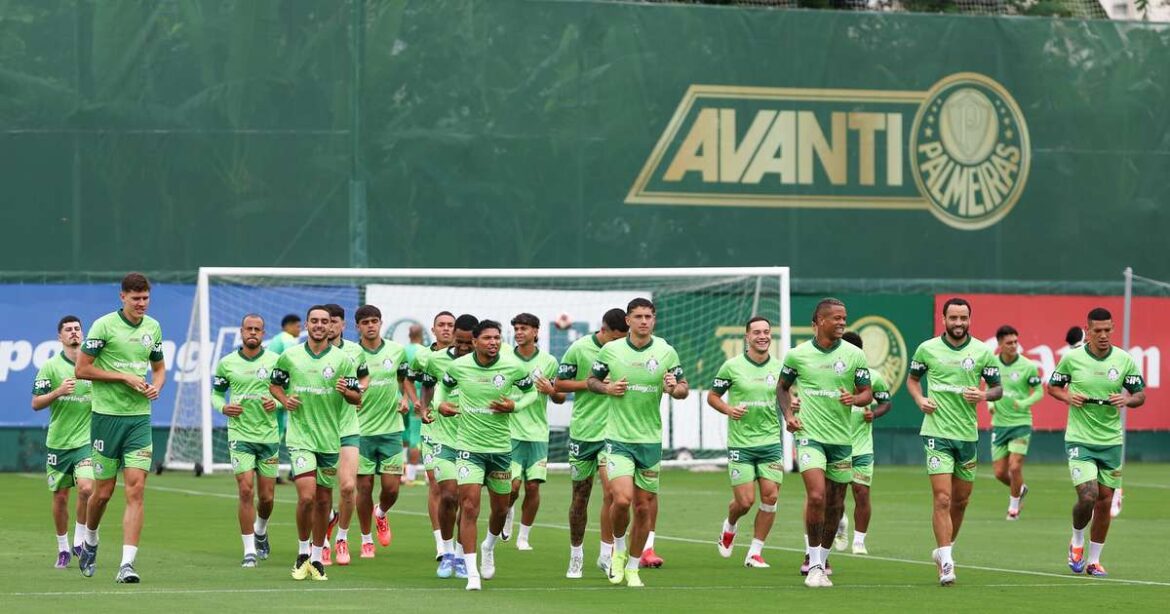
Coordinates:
(390, 471)
(813, 465)
(862, 511)
(498, 479)
(1109, 465)
(365, 508)
(267, 474)
(135, 467)
(347, 492)
(535, 472)
(304, 469)
(742, 473)
(962, 483)
(61, 524)
(322, 510)
(765, 518)
(581, 470)
(83, 477)
(472, 472)
(621, 489)
(428, 458)
(999, 455)
(649, 557)
(246, 510)
(645, 504)
(835, 491)
(519, 454)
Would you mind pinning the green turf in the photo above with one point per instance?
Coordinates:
(190, 555)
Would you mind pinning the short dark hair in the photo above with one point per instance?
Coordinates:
(67, 319)
(1005, 330)
(291, 318)
(324, 308)
(466, 322)
(824, 305)
(961, 302)
(251, 315)
(526, 319)
(1100, 314)
(1075, 335)
(852, 337)
(135, 282)
(441, 314)
(367, 311)
(748, 327)
(335, 310)
(484, 325)
(640, 302)
(615, 320)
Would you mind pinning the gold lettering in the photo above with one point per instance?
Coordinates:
(1006, 167)
(975, 204)
(812, 139)
(894, 149)
(956, 191)
(776, 153)
(993, 188)
(733, 160)
(866, 124)
(699, 151)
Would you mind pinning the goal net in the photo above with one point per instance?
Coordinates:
(701, 312)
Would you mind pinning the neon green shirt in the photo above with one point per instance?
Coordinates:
(434, 364)
(386, 366)
(1096, 422)
(247, 378)
(483, 429)
(530, 420)
(754, 385)
(820, 375)
(862, 430)
(635, 417)
(1021, 390)
(590, 410)
(311, 377)
(69, 413)
(950, 370)
(119, 346)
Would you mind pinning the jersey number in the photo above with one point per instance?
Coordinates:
(930, 443)
(99, 445)
(1074, 453)
(574, 449)
(464, 455)
(733, 455)
(51, 459)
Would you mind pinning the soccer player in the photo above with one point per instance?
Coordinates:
(121, 347)
(1095, 381)
(755, 449)
(412, 433)
(485, 380)
(443, 328)
(350, 431)
(318, 384)
(587, 439)
(953, 364)
(862, 453)
(387, 397)
(635, 372)
(253, 436)
(833, 378)
(1011, 416)
(289, 335)
(68, 460)
(529, 424)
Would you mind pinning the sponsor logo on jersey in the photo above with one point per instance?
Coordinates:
(965, 141)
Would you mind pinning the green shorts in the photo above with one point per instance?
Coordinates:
(834, 459)
(530, 460)
(493, 470)
(584, 458)
(381, 454)
(351, 441)
(642, 461)
(349, 427)
(443, 461)
(863, 469)
(323, 464)
(746, 465)
(1009, 440)
(64, 467)
(1101, 463)
(249, 456)
(951, 457)
(120, 441)
(412, 434)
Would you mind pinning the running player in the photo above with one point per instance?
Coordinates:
(1011, 416)
(443, 328)
(289, 335)
(1096, 382)
(862, 453)
(412, 426)
(350, 431)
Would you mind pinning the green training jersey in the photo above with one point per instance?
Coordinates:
(349, 423)
(950, 370)
(481, 428)
(1021, 390)
(1096, 422)
(68, 413)
(282, 342)
(590, 410)
(862, 430)
(247, 379)
(311, 377)
(443, 429)
(387, 366)
(635, 417)
(820, 374)
(119, 346)
(753, 385)
(530, 420)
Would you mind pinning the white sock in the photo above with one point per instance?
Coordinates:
(1094, 553)
(858, 537)
(633, 563)
(260, 526)
(303, 546)
(577, 551)
(1078, 538)
(249, 543)
(78, 534)
(411, 472)
(316, 554)
(728, 527)
(649, 541)
(459, 550)
(490, 542)
(1014, 503)
(944, 554)
(472, 567)
(619, 543)
(91, 537)
(342, 535)
(63, 543)
(438, 540)
(524, 529)
(814, 556)
(825, 556)
(378, 511)
(606, 550)
(807, 550)
(448, 546)
(128, 554)
(367, 538)
(757, 547)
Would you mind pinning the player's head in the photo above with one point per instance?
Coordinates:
(464, 329)
(853, 338)
(829, 318)
(443, 328)
(956, 314)
(135, 295)
(291, 324)
(317, 323)
(487, 338)
(415, 333)
(758, 334)
(640, 316)
(1008, 339)
(1100, 329)
(336, 320)
(369, 322)
(1075, 337)
(252, 331)
(525, 328)
(69, 331)
(613, 325)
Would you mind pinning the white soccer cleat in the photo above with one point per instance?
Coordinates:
(756, 561)
(841, 541)
(522, 544)
(1115, 507)
(487, 562)
(816, 578)
(725, 544)
(576, 567)
(473, 583)
(506, 532)
(859, 548)
(946, 571)
(603, 564)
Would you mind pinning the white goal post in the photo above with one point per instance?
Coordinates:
(701, 312)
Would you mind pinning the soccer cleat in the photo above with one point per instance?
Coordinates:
(1012, 515)
(461, 568)
(1076, 558)
(804, 566)
(77, 551)
(383, 530)
(367, 551)
(576, 567)
(317, 572)
(249, 561)
(63, 559)
(649, 559)
(603, 564)
(506, 532)
(127, 575)
(828, 568)
(726, 543)
(88, 560)
(333, 519)
(946, 571)
(487, 562)
(438, 554)
(263, 548)
(825, 582)
(1096, 570)
(1115, 507)
(473, 583)
(326, 558)
(522, 544)
(1023, 492)
(342, 548)
(841, 540)
(859, 548)
(757, 561)
(446, 566)
(301, 568)
(815, 575)
(633, 580)
(617, 567)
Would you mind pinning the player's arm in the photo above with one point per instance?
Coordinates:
(350, 387)
(914, 384)
(408, 397)
(278, 384)
(567, 374)
(788, 375)
(597, 379)
(1135, 390)
(86, 369)
(882, 398)
(862, 395)
(219, 387)
(1035, 390)
(446, 386)
(675, 384)
(719, 386)
(44, 393)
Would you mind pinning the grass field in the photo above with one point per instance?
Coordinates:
(190, 553)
